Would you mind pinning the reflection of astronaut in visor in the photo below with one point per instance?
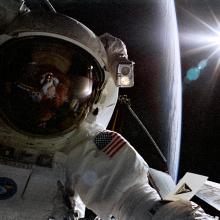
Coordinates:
(48, 85)
(58, 92)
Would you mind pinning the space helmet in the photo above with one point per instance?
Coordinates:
(53, 75)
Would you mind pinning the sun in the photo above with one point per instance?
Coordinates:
(208, 41)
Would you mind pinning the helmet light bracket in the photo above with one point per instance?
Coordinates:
(125, 74)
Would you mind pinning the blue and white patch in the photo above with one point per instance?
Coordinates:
(7, 188)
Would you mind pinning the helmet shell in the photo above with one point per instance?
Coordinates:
(68, 29)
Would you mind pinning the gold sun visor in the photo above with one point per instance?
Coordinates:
(47, 85)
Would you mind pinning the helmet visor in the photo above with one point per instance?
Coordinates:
(47, 85)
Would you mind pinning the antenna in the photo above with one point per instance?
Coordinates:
(123, 99)
(49, 6)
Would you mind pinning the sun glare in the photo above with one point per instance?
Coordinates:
(205, 41)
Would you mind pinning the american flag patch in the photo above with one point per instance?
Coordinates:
(109, 142)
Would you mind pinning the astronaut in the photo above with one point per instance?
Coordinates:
(59, 86)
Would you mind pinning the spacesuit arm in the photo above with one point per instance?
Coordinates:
(140, 201)
(112, 179)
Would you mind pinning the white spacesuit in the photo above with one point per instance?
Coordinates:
(58, 92)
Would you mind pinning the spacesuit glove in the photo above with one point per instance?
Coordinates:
(181, 210)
